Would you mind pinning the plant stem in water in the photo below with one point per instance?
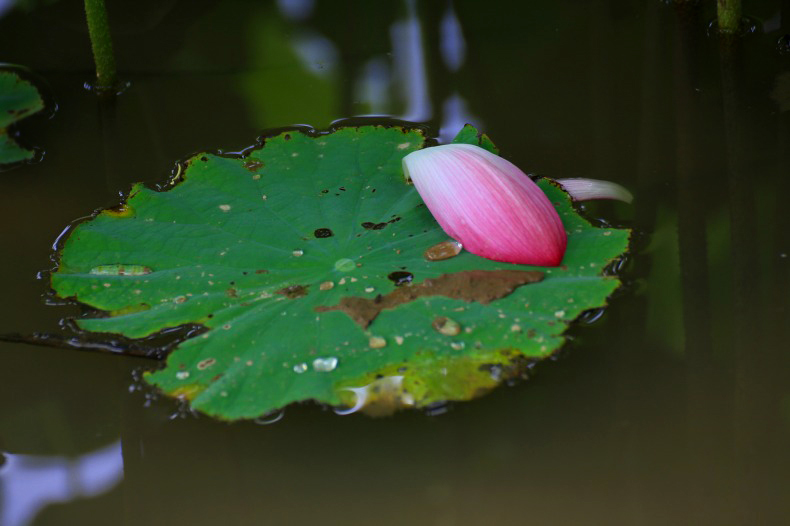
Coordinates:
(729, 15)
(101, 42)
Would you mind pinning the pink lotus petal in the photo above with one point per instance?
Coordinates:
(487, 204)
(585, 189)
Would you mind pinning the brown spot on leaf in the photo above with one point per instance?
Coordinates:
(261, 271)
(293, 291)
(481, 286)
(253, 165)
(204, 364)
(119, 211)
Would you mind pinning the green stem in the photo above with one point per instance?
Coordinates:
(729, 15)
(101, 42)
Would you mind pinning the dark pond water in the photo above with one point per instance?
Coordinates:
(671, 408)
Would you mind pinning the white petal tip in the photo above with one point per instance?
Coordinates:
(581, 189)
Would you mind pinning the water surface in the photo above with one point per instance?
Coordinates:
(671, 408)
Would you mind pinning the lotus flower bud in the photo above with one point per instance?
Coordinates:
(488, 204)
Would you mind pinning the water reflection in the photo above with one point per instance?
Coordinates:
(298, 53)
(453, 45)
(5, 5)
(296, 9)
(408, 54)
(372, 88)
(455, 114)
(319, 56)
(29, 483)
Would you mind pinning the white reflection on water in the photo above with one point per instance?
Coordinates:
(452, 43)
(454, 115)
(6, 5)
(373, 85)
(29, 483)
(408, 55)
(317, 53)
(296, 9)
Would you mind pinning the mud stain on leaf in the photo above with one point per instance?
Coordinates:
(481, 286)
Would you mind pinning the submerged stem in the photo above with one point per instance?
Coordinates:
(101, 42)
(729, 15)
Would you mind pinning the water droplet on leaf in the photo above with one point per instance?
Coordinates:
(443, 250)
(344, 265)
(446, 326)
(377, 342)
(325, 365)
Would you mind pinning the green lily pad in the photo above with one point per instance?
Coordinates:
(18, 100)
(470, 135)
(304, 260)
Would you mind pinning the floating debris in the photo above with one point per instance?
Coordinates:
(326, 285)
(298, 252)
(299, 368)
(224, 208)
